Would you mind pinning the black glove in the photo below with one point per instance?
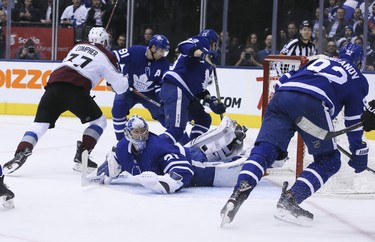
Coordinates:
(214, 104)
(210, 53)
(368, 117)
(359, 158)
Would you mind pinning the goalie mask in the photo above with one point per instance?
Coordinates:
(99, 35)
(136, 132)
(352, 53)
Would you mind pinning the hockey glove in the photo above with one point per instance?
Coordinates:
(368, 117)
(110, 168)
(359, 158)
(214, 104)
(208, 54)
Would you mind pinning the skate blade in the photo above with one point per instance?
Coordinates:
(10, 169)
(225, 219)
(286, 216)
(8, 203)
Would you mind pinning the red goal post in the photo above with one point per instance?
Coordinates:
(274, 67)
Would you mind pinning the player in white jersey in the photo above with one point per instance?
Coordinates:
(302, 46)
(68, 88)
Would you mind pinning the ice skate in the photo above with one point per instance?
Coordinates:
(234, 203)
(19, 159)
(91, 166)
(289, 211)
(6, 194)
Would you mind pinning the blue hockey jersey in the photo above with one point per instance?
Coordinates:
(144, 75)
(190, 73)
(336, 82)
(159, 156)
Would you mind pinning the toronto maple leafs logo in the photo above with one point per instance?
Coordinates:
(141, 83)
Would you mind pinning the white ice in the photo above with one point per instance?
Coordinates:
(51, 205)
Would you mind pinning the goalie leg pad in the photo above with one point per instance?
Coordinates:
(226, 174)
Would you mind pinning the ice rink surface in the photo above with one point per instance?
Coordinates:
(51, 205)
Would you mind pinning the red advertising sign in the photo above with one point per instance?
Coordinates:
(41, 38)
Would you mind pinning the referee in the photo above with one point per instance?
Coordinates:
(301, 46)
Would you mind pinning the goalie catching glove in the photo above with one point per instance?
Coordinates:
(214, 104)
(110, 168)
(368, 117)
(359, 157)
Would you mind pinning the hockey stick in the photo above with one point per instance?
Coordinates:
(136, 92)
(345, 152)
(320, 133)
(208, 60)
(110, 16)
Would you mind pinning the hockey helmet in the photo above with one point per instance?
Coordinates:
(160, 42)
(352, 53)
(306, 23)
(136, 132)
(99, 35)
(211, 35)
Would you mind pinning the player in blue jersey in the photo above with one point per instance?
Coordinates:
(145, 66)
(6, 194)
(185, 85)
(321, 89)
(165, 168)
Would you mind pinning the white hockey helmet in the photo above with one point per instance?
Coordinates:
(136, 132)
(99, 35)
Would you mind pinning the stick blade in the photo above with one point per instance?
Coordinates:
(310, 128)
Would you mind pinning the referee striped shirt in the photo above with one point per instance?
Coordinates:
(297, 47)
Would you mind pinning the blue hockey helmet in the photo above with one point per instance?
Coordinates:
(160, 42)
(352, 53)
(136, 132)
(211, 35)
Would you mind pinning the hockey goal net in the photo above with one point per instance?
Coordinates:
(345, 182)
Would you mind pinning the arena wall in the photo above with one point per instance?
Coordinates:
(21, 86)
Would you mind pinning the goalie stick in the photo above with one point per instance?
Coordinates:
(320, 133)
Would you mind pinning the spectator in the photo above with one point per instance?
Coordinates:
(95, 13)
(247, 58)
(4, 6)
(348, 34)
(333, 6)
(316, 22)
(74, 14)
(336, 28)
(316, 39)
(268, 50)
(252, 41)
(27, 12)
(120, 43)
(234, 50)
(331, 48)
(46, 14)
(147, 36)
(29, 51)
(292, 32)
(3, 24)
(282, 39)
(357, 22)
